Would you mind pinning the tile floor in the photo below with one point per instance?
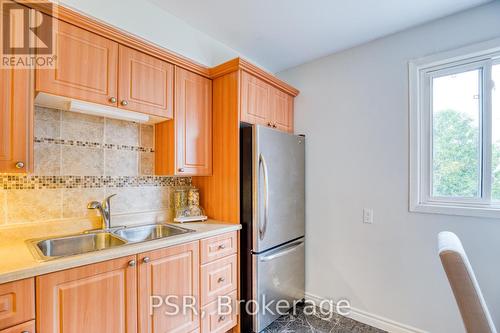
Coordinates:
(300, 322)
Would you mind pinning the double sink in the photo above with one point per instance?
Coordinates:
(57, 247)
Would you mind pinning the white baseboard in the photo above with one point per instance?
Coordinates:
(372, 319)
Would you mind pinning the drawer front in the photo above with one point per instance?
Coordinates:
(215, 322)
(28, 327)
(219, 246)
(218, 278)
(17, 302)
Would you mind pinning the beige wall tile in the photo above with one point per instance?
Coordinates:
(82, 161)
(147, 136)
(139, 199)
(33, 205)
(121, 163)
(75, 201)
(121, 132)
(2, 207)
(82, 127)
(127, 199)
(47, 123)
(146, 163)
(47, 159)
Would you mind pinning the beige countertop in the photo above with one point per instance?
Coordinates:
(18, 262)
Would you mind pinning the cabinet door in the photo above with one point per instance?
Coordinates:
(95, 298)
(17, 302)
(145, 83)
(193, 124)
(86, 66)
(16, 120)
(255, 100)
(174, 272)
(282, 110)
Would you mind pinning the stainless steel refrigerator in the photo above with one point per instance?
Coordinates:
(273, 218)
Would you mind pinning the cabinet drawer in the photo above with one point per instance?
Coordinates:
(215, 322)
(217, 247)
(218, 278)
(28, 327)
(17, 303)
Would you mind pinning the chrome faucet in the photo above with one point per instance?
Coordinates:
(105, 210)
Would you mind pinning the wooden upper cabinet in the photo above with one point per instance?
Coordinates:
(183, 146)
(86, 67)
(282, 110)
(145, 83)
(16, 120)
(264, 104)
(255, 100)
(173, 271)
(193, 122)
(95, 298)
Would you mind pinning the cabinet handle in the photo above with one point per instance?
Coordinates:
(124, 103)
(180, 169)
(20, 165)
(220, 280)
(274, 125)
(222, 318)
(146, 260)
(132, 263)
(269, 124)
(112, 99)
(222, 247)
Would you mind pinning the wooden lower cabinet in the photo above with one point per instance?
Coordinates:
(28, 327)
(95, 298)
(171, 272)
(128, 295)
(17, 303)
(215, 322)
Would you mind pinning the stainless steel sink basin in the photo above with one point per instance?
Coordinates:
(149, 232)
(75, 244)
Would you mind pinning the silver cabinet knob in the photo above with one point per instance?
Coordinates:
(222, 247)
(112, 99)
(222, 318)
(269, 124)
(124, 103)
(20, 165)
(146, 260)
(180, 169)
(220, 280)
(274, 125)
(131, 263)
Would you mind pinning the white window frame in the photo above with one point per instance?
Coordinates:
(421, 72)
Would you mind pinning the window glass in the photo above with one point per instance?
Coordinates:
(456, 152)
(495, 158)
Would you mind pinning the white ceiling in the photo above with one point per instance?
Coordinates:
(280, 34)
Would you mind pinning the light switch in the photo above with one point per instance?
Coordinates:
(367, 215)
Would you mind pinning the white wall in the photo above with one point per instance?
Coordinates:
(353, 107)
(154, 24)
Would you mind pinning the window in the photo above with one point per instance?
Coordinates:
(455, 132)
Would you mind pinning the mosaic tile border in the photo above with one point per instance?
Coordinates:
(30, 182)
(93, 144)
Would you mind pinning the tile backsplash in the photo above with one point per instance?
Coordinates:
(79, 158)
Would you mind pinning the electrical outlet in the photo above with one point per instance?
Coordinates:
(367, 215)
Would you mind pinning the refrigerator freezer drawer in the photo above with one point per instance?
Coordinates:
(280, 275)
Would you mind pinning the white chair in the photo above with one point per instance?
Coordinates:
(471, 304)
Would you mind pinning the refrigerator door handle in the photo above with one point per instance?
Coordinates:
(263, 227)
(290, 248)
